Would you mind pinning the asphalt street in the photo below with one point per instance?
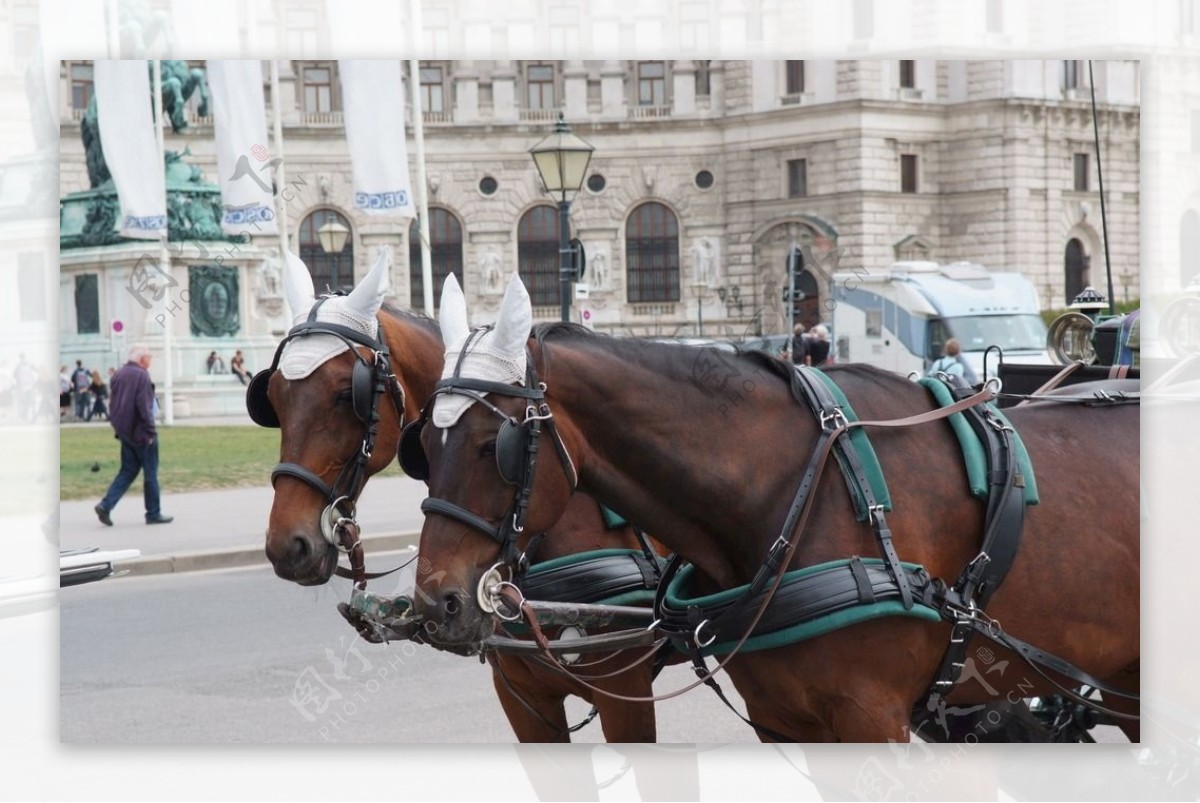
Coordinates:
(241, 656)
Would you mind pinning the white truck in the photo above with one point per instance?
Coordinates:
(899, 318)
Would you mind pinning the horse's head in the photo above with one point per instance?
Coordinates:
(331, 392)
(488, 447)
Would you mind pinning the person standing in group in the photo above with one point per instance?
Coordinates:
(64, 393)
(799, 347)
(81, 379)
(25, 379)
(99, 391)
(818, 348)
(131, 406)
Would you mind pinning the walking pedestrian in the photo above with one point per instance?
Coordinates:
(130, 411)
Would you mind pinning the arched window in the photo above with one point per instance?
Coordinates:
(329, 271)
(446, 252)
(537, 254)
(1189, 247)
(1075, 269)
(652, 254)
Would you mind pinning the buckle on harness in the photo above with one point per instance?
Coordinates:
(696, 636)
(837, 418)
(976, 566)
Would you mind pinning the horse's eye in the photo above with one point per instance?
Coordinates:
(488, 449)
(343, 396)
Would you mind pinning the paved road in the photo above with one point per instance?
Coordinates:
(217, 657)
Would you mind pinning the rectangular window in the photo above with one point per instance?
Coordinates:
(703, 78)
(87, 304)
(25, 30)
(864, 19)
(797, 178)
(81, 85)
(318, 89)
(31, 286)
(432, 93)
(795, 77)
(652, 83)
(540, 80)
(1070, 75)
(1081, 172)
(908, 172)
(907, 75)
(301, 33)
(995, 16)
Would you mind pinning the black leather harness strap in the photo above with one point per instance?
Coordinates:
(821, 400)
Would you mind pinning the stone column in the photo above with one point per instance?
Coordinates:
(466, 92)
(504, 92)
(716, 86)
(683, 96)
(612, 89)
(575, 104)
(289, 93)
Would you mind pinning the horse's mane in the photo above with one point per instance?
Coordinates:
(665, 355)
(412, 316)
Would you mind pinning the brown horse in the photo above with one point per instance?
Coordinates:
(710, 459)
(320, 431)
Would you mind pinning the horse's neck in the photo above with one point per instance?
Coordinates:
(706, 497)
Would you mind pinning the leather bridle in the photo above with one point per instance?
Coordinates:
(536, 415)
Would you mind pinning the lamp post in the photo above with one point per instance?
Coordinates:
(332, 237)
(562, 159)
(701, 287)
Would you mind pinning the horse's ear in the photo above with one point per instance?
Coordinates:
(297, 285)
(453, 314)
(368, 296)
(516, 318)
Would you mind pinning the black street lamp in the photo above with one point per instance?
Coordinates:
(562, 159)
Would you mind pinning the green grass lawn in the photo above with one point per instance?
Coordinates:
(190, 459)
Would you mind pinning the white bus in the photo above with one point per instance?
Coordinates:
(899, 318)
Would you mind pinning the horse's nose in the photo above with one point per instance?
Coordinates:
(294, 554)
(445, 607)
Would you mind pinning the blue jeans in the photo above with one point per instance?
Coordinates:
(135, 458)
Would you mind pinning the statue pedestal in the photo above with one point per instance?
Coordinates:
(215, 296)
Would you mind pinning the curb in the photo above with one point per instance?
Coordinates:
(239, 557)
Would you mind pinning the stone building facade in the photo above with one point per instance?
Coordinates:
(706, 172)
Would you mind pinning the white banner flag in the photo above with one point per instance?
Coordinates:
(373, 99)
(123, 103)
(245, 165)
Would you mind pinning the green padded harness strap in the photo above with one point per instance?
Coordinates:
(866, 454)
(676, 597)
(973, 452)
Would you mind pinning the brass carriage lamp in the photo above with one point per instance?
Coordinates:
(332, 236)
(562, 160)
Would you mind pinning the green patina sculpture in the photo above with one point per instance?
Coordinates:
(213, 300)
(193, 206)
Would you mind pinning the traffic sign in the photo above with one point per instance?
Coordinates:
(586, 317)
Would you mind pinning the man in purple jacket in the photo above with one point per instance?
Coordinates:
(130, 411)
